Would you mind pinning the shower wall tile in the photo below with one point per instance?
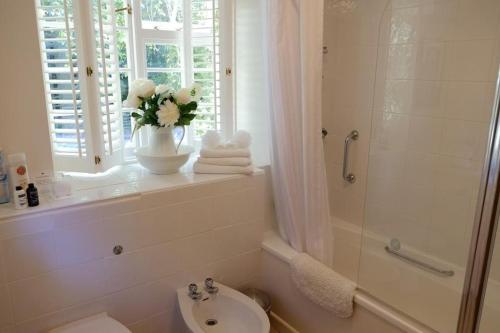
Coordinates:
(472, 101)
(478, 19)
(424, 134)
(472, 64)
(390, 130)
(67, 270)
(404, 26)
(425, 108)
(464, 139)
(359, 27)
(437, 20)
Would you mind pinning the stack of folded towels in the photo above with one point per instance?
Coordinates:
(225, 158)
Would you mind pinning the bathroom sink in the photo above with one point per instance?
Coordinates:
(229, 311)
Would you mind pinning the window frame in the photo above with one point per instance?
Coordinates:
(225, 117)
(95, 159)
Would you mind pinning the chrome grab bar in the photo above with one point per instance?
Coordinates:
(349, 177)
(418, 263)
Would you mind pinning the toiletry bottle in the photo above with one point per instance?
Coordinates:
(20, 200)
(32, 195)
(4, 179)
(18, 170)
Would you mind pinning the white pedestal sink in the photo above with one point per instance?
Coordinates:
(227, 312)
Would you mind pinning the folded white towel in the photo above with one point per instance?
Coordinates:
(225, 152)
(221, 169)
(212, 139)
(229, 161)
(322, 285)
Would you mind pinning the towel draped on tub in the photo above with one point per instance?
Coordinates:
(322, 285)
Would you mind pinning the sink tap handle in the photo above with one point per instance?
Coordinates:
(209, 286)
(194, 294)
(193, 288)
(209, 282)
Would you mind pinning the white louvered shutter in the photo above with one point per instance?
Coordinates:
(109, 98)
(206, 64)
(60, 61)
(78, 37)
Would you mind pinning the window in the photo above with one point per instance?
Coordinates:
(93, 49)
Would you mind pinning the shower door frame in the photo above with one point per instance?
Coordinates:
(485, 225)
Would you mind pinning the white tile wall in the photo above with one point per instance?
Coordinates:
(444, 120)
(59, 266)
(417, 79)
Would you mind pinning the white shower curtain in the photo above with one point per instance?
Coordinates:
(293, 40)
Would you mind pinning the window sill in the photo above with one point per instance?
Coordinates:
(123, 181)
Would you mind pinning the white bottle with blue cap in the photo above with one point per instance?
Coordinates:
(4, 179)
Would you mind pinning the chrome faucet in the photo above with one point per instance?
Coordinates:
(194, 294)
(209, 286)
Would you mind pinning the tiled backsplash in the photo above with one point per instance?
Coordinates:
(59, 266)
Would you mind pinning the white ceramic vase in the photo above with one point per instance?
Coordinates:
(161, 141)
(163, 156)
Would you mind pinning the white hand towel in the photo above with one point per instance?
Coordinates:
(221, 169)
(322, 285)
(223, 152)
(234, 161)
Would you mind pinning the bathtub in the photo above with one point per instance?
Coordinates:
(425, 302)
(278, 249)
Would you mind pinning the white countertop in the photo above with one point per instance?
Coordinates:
(118, 182)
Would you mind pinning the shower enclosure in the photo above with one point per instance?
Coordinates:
(416, 80)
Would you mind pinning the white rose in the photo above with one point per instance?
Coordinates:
(196, 92)
(168, 114)
(161, 89)
(132, 101)
(142, 88)
(183, 96)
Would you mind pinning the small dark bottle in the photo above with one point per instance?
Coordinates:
(32, 194)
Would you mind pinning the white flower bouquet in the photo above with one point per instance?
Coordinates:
(160, 105)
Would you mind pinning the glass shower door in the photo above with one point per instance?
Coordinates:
(434, 91)
(490, 316)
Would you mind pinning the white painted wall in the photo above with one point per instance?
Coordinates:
(23, 118)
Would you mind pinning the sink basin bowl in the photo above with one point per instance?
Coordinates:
(163, 164)
(227, 312)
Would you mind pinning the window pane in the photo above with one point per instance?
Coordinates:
(124, 82)
(203, 57)
(206, 80)
(162, 14)
(162, 56)
(172, 79)
(127, 125)
(121, 18)
(58, 3)
(121, 43)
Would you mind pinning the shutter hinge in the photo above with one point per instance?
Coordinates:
(229, 71)
(97, 160)
(90, 71)
(128, 9)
